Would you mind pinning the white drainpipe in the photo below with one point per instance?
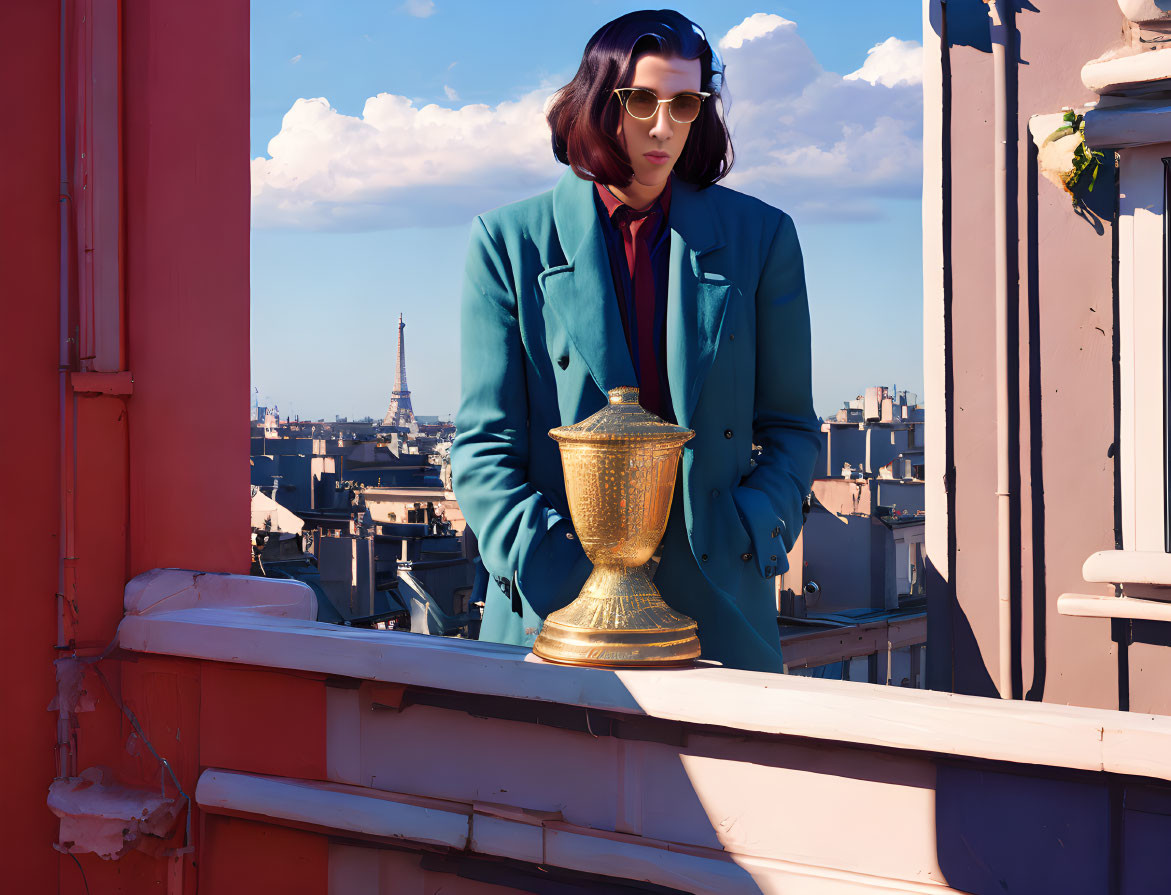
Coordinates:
(999, 31)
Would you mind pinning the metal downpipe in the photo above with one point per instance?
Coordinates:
(998, 26)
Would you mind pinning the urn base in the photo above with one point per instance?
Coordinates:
(619, 620)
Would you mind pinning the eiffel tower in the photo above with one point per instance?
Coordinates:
(400, 413)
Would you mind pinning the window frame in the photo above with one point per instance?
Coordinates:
(1144, 359)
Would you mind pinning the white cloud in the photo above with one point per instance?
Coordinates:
(420, 9)
(810, 141)
(891, 63)
(450, 92)
(295, 59)
(756, 25)
(807, 140)
(398, 165)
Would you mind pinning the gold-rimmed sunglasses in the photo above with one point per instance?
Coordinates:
(644, 104)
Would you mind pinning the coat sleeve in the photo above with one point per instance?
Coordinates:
(521, 536)
(769, 498)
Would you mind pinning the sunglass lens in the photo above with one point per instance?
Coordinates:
(642, 103)
(685, 108)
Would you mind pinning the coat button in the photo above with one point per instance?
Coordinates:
(773, 558)
(727, 433)
(746, 556)
(715, 492)
(703, 558)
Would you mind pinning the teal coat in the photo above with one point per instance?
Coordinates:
(542, 343)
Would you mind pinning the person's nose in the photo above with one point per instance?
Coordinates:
(663, 127)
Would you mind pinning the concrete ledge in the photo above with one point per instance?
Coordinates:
(333, 807)
(400, 819)
(852, 713)
(1128, 566)
(1126, 73)
(171, 589)
(1091, 606)
(1128, 126)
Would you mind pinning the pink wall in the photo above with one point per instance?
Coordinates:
(1065, 376)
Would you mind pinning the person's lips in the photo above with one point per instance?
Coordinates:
(658, 158)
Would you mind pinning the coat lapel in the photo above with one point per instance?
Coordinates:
(581, 291)
(696, 299)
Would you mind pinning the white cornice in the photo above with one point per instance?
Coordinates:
(1128, 75)
(1129, 125)
(1153, 15)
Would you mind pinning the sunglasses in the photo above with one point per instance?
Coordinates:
(644, 104)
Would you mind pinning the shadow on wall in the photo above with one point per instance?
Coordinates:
(967, 24)
(1039, 587)
(1094, 200)
(954, 661)
(1002, 832)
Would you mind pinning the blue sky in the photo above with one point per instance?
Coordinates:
(337, 252)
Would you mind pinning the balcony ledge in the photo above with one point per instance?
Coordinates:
(749, 702)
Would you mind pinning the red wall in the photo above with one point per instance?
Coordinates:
(162, 475)
(187, 217)
(28, 355)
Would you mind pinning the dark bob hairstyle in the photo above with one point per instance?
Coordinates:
(583, 115)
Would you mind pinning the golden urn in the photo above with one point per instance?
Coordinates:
(619, 467)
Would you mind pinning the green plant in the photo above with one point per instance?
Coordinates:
(1084, 159)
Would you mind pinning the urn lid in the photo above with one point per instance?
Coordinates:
(623, 419)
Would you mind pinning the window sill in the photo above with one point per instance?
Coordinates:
(1128, 567)
(1089, 606)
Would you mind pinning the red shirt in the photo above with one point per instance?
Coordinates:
(642, 295)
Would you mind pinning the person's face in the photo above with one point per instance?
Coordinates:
(654, 146)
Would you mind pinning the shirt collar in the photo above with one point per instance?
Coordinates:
(612, 203)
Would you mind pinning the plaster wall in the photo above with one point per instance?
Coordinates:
(883, 444)
(28, 353)
(843, 444)
(160, 473)
(1061, 377)
(904, 496)
(861, 583)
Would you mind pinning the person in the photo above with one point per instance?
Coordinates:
(637, 269)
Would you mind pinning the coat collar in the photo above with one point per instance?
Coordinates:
(581, 290)
(691, 215)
